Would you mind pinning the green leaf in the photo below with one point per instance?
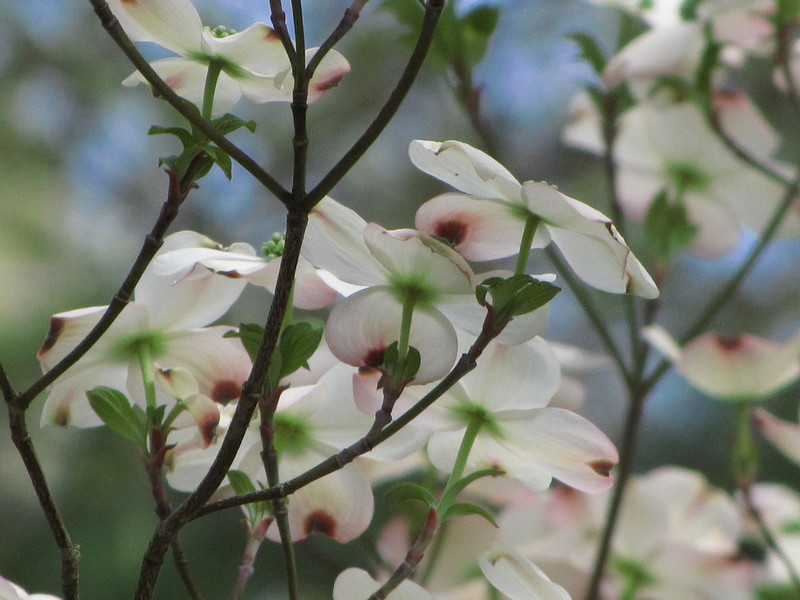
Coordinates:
(222, 159)
(667, 227)
(787, 13)
(778, 592)
(250, 334)
(229, 123)
(297, 343)
(242, 484)
(476, 29)
(115, 410)
(406, 491)
(518, 295)
(590, 51)
(688, 10)
(454, 490)
(184, 135)
(155, 414)
(463, 509)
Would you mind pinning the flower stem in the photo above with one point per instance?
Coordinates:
(531, 223)
(470, 435)
(145, 357)
(405, 329)
(212, 76)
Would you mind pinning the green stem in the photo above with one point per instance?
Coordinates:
(212, 77)
(470, 435)
(148, 378)
(405, 329)
(632, 587)
(531, 223)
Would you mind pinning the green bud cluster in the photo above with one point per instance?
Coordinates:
(274, 247)
(220, 31)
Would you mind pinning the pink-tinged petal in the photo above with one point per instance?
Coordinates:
(467, 169)
(785, 435)
(205, 414)
(219, 364)
(257, 49)
(67, 329)
(738, 368)
(517, 577)
(187, 79)
(339, 505)
(329, 73)
(173, 24)
(362, 326)
(664, 51)
(514, 377)
(478, 229)
(407, 255)
(745, 124)
(584, 129)
(335, 242)
(718, 228)
(355, 583)
(310, 290)
(67, 404)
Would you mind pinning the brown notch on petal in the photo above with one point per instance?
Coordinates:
(321, 522)
(328, 83)
(175, 82)
(272, 35)
(61, 417)
(452, 231)
(226, 390)
(729, 344)
(374, 358)
(208, 429)
(230, 274)
(56, 327)
(601, 467)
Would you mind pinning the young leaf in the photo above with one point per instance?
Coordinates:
(114, 408)
(250, 334)
(222, 159)
(463, 509)
(406, 491)
(229, 123)
(668, 228)
(452, 493)
(183, 135)
(241, 484)
(297, 343)
(590, 51)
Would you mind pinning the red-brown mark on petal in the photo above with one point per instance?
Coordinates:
(226, 390)
(272, 35)
(373, 358)
(230, 274)
(61, 417)
(130, 1)
(320, 521)
(729, 344)
(56, 327)
(208, 428)
(452, 231)
(601, 467)
(326, 84)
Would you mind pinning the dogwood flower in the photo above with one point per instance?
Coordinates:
(487, 220)
(743, 367)
(391, 269)
(253, 63)
(163, 327)
(508, 392)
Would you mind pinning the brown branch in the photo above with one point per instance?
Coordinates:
(251, 393)
(69, 552)
(433, 10)
(351, 15)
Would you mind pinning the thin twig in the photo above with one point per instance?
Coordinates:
(351, 15)
(413, 557)
(69, 552)
(5, 385)
(189, 112)
(433, 10)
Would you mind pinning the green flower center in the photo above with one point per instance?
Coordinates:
(292, 435)
(685, 177)
(131, 347)
(413, 289)
(220, 31)
(475, 413)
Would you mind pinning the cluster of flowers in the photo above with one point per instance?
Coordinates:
(417, 288)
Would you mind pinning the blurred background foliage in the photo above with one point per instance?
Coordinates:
(80, 187)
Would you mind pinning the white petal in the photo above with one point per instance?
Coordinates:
(67, 403)
(355, 584)
(67, 329)
(465, 168)
(785, 435)
(257, 49)
(517, 577)
(480, 229)
(329, 73)
(173, 24)
(335, 242)
(362, 326)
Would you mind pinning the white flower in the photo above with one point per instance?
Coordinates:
(253, 62)
(486, 221)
